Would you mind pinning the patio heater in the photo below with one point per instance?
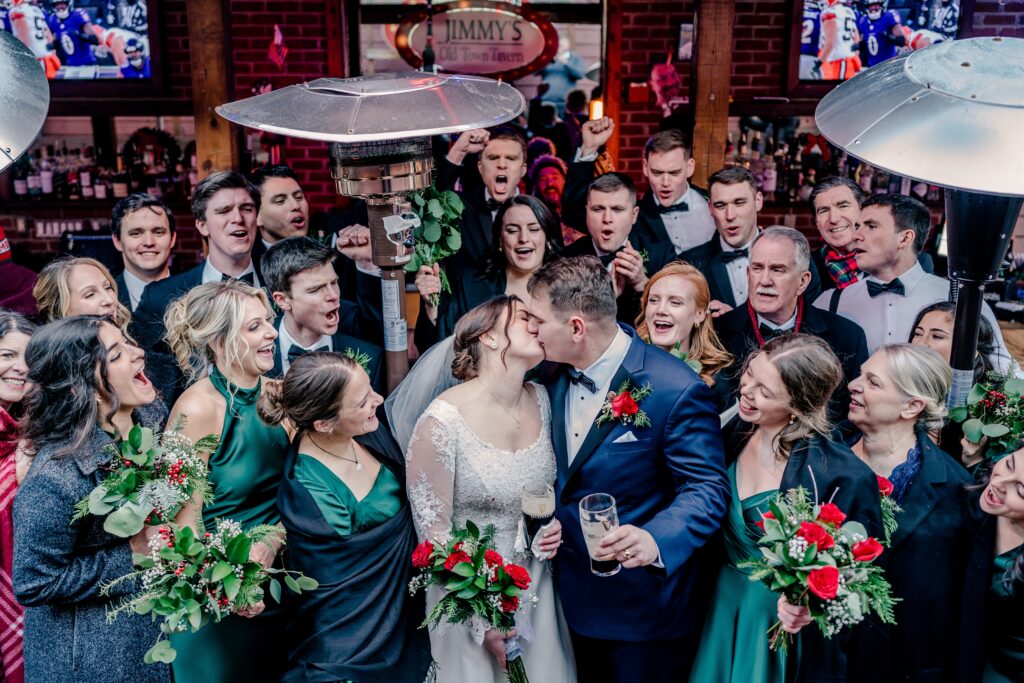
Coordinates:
(379, 130)
(950, 115)
(24, 99)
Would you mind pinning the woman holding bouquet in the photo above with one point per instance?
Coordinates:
(343, 504)
(222, 334)
(779, 441)
(899, 397)
(674, 317)
(472, 452)
(88, 389)
(526, 236)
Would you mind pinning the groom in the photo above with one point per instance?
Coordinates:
(667, 479)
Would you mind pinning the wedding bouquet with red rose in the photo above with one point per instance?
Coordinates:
(479, 583)
(817, 558)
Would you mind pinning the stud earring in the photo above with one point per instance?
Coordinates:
(494, 346)
(792, 419)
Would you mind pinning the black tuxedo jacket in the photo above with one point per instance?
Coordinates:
(707, 258)
(926, 565)
(469, 289)
(477, 221)
(649, 224)
(341, 342)
(842, 334)
(658, 255)
(122, 291)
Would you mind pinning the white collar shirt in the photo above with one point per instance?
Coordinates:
(583, 405)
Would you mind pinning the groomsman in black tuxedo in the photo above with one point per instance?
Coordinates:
(778, 277)
(723, 259)
(143, 230)
(611, 214)
(283, 209)
(300, 275)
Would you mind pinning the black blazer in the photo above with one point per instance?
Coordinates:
(831, 470)
(477, 221)
(122, 291)
(844, 336)
(341, 342)
(926, 565)
(469, 289)
(707, 258)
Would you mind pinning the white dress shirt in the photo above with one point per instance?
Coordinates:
(889, 318)
(285, 342)
(690, 228)
(488, 197)
(788, 325)
(211, 274)
(737, 270)
(134, 286)
(582, 405)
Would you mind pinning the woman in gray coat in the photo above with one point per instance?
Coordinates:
(88, 388)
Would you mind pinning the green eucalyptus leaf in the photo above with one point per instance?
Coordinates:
(127, 520)
(973, 430)
(431, 230)
(958, 414)
(454, 241)
(307, 583)
(1013, 386)
(454, 201)
(161, 652)
(275, 589)
(435, 209)
(135, 437)
(995, 430)
(978, 392)
(98, 504)
(238, 549)
(292, 584)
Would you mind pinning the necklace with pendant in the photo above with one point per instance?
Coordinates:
(352, 449)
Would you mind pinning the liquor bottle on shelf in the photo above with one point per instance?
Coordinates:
(120, 181)
(46, 172)
(20, 179)
(73, 163)
(34, 179)
(781, 173)
(85, 174)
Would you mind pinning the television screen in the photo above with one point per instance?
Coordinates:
(841, 37)
(83, 39)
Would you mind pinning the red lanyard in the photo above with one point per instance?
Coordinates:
(757, 328)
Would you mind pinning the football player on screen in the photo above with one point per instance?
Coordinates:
(810, 42)
(839, 38)
(881, 33)
(946, 19)
(137, 65)
(28, 24)
(74, 32)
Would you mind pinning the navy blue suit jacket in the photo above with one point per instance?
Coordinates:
(670, 482)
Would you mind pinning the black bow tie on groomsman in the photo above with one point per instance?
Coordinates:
(673, 208)
(577, 377)
(894, 287)
(244, 277)
(606, 259)
(772, 332)
(730, 256)
(297, 351)
(493, 205)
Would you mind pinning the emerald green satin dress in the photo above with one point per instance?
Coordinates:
(734, 642)
(245, 472)
(339, 506)
(1006, 652)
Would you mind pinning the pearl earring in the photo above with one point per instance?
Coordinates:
(792, 419)
(494, 346)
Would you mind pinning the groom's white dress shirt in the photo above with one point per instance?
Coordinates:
(582, 405)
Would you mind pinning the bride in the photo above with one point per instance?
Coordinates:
(473, 450)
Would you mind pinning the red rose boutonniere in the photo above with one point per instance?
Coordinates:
(624, 405)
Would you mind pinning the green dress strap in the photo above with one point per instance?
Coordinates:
(338, 504)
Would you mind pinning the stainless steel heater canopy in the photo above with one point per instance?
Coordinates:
(24, 99)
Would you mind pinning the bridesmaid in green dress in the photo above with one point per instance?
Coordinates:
(222, 334)
(349, 525)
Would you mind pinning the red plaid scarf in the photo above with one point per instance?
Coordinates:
(841, 268)
(11, 613)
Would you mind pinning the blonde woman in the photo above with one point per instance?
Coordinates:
(78, 286)
(222, 334)
(674, 317)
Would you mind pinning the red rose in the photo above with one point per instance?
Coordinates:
(764, 516)
(623, 404)
(824, 582)
(885, 486)
(816, 533)
(455, 558)
(509, 604)
(493, 559)
(865, 551)
(520, 576)
(421, 556)
(831, 514)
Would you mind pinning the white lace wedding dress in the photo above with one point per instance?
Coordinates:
(455, 475)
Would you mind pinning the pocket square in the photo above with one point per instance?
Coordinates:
(628, 437)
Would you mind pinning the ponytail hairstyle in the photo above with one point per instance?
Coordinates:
(203, 325)
(53, 295)
(313, 389)
(810, 372)
(477, 322)
(67, 367)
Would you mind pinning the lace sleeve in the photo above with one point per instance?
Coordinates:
(430, 473)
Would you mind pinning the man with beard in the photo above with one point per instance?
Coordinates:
(778, 276)
(300, 275)
(143, 230)
(547, 182)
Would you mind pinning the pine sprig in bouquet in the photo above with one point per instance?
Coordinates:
(994, 410)
(478, 582)
(817, 559)
(149, 481)
(190, 580)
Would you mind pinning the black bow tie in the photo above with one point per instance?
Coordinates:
(493, 205)
(680, 206)
(606, 259)
(730, 256)
(244, 277)
(894, 287)
(771, 332)
(296, 351)
(577, 377)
